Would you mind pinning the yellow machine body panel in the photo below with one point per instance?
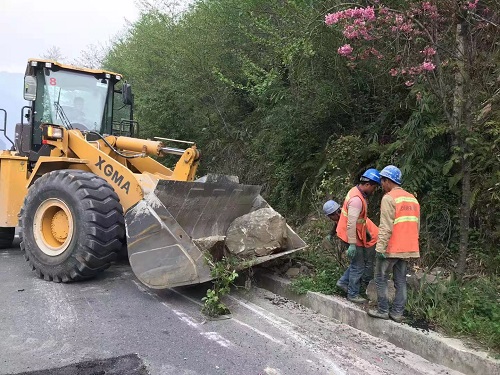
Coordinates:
(71, 67)
(13, 187)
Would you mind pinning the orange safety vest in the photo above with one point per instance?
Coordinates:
(360, 224)
(373, 229)
(404, 237)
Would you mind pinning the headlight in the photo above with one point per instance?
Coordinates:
(53, 132)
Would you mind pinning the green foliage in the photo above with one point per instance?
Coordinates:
(329, 264)
(258, 94)
(323, 281)
(224, 274)
(471, 308)
(346, 158)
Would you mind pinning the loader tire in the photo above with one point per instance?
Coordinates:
(6, 237)
(72, 226)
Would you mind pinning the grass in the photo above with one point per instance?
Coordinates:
(469, 310)
(328, 265)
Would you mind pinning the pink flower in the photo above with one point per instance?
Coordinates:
(376, 53)
(345, 50)
(369, 14)
(350, 32)
(430, 10)
(427, 65)
(428, 51)
(409, 83)
(406, 27)
(362, 14)
(332, 18)
(393, 72)
(427, 6)
(414, 70)
(472, 4)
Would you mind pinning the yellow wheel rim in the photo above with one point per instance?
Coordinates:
(53, 227)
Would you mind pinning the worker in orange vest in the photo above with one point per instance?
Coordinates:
(332, 211)
(397, 242)
(359, 235)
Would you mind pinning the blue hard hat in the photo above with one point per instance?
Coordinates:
(371, 174)
(330, 207)
(392, 173)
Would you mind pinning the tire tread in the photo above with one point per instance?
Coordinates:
(104, 226)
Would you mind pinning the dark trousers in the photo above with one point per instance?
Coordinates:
(360, 270)
(382, 268)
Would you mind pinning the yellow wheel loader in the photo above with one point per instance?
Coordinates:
(82, 187)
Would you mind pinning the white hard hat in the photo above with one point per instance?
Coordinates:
(330, 207)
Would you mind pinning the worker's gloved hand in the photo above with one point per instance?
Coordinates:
(381, 255)
(351, 251)
(368, 236)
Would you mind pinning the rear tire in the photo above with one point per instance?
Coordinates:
(6, 237)
(72, 226)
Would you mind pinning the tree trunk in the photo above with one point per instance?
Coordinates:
(460, 133)
(464, 218)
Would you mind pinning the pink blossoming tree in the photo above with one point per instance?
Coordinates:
(448, 49)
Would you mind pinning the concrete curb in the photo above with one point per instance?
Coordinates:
(429, 345)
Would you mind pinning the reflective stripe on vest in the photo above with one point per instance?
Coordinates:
(404, 237)
(406, 199)
(403, 219)
(360, 222)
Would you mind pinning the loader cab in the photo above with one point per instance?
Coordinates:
(77, 98)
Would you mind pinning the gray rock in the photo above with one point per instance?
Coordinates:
(429, 279)
(293, 272)
(284, 267)
(258, 233)
(304, 270)
(413, 282)
(219, 178)
(420, 279)
(213, 244)
(371, 291)
(438, 271)
(207, 243)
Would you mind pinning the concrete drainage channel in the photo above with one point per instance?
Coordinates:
(129, 364)
(429, 345)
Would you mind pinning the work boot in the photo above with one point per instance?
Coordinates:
(357, 299)
(342, 286)
(396, 317)
(378, 314)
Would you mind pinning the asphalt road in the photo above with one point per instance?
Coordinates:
(114, 321)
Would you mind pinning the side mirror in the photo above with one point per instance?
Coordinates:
(127, 96)
(29, 88)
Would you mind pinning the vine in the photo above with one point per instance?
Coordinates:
(224, 274)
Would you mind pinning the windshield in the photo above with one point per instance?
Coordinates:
(74, 98)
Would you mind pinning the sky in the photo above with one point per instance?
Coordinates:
(29, 28)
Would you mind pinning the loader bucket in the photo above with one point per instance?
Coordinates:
(164, 229)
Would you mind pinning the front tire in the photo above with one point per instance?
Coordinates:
(72, 225)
